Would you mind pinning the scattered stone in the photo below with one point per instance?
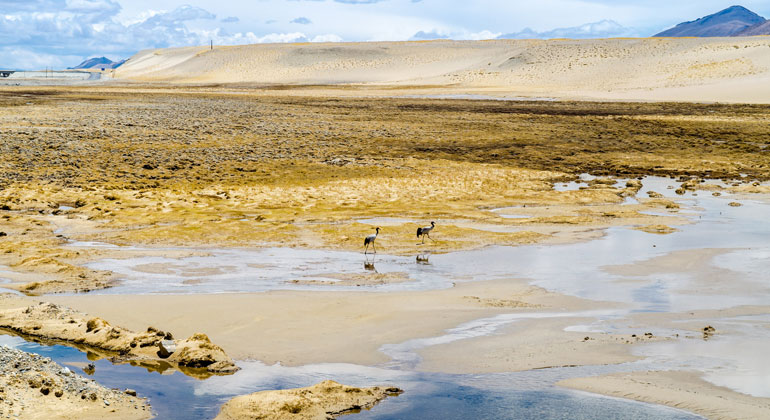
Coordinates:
(657, 229)
(691, 184)
(131, 392)
(47, 320)
(29, 382)
(708, 332)
(166, 348)
(653, 194)
(735, 204)
(327, 400)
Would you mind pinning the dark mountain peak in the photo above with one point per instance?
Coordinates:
(727, 22)
(734, 12)
(735, 9)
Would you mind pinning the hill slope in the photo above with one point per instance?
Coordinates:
(727, 22)
(761, 29)
(734, 69)
(98, 62)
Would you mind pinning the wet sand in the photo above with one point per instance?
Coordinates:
(685, 390)
(319, 326)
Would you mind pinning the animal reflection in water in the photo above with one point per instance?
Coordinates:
(423, 259)
(425, 231)
(369, 264)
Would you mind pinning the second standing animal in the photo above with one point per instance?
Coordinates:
(425, 231)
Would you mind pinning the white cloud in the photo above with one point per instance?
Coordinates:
(301, 20)
(327, 38)
(460, 35)
(290, 37)
(477, 36)
(72, 30)
(16, 58)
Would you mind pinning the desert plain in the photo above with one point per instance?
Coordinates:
(600, 206)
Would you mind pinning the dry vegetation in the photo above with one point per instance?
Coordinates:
(210, 166)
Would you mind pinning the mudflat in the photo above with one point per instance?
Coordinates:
(147, 170)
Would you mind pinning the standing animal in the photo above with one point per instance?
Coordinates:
(425, 231)
(370, 240)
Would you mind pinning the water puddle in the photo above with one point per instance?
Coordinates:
(232, 271)
(428, 395)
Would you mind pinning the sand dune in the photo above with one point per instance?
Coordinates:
(714, 69)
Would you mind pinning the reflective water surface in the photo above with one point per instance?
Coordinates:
(737, 236)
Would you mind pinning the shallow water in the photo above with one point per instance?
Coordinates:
(577, 269)
(574, 269)
(428, 396)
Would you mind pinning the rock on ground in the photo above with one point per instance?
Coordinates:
(327, 400)
(35, 387)
(50, 321)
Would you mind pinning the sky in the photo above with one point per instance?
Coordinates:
(35, 34)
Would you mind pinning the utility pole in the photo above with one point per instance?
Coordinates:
(212, 44)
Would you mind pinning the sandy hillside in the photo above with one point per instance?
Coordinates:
(714, 69)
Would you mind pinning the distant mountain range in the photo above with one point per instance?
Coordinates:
(98, 63)
(733, 21)
(601, 29)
